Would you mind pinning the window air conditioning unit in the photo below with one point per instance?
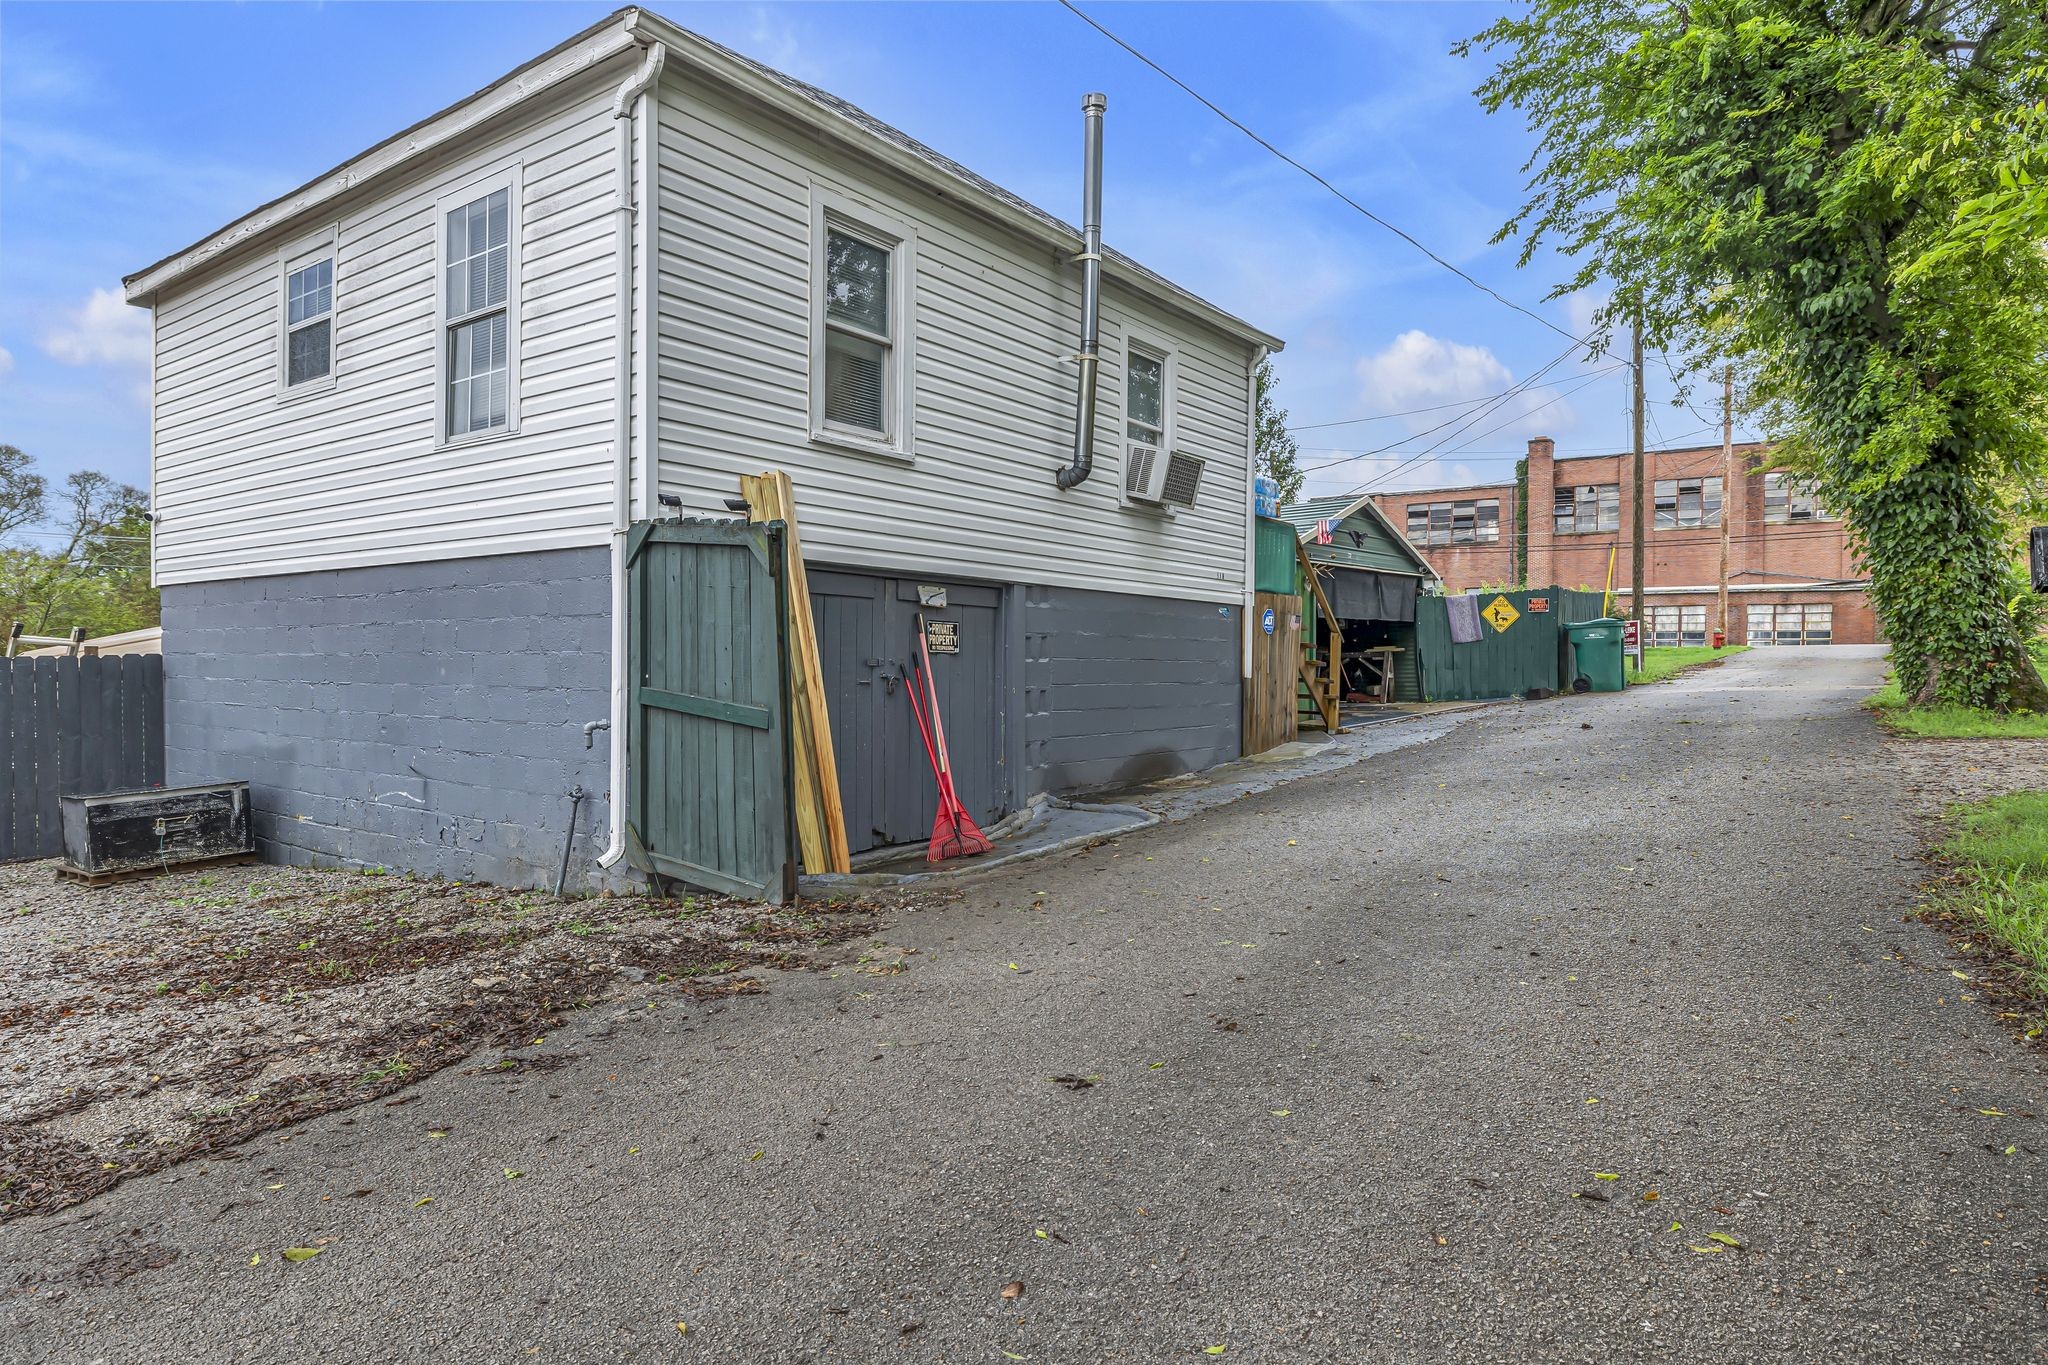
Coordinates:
(1168, 478)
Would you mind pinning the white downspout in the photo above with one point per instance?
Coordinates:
(1251, 505)
(622, 433)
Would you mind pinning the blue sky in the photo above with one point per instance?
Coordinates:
(129, 131)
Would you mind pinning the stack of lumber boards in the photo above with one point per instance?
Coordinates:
(820, 820)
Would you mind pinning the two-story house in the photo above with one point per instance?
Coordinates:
(405, 415)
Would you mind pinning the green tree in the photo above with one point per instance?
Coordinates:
(1778, 183)
(1278, 458)
(90, 565)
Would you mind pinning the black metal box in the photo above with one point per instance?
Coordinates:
(161, 827)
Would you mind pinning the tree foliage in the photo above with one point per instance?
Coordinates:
(1279, 460)
(78, 556)
(1791, 186)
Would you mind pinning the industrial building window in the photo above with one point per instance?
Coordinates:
(861, 327)
(1792, 624)
(479, 310)
(1678, 625)
(1587, 508)
(1467, 521)
(1688, 502)
(1787, 500)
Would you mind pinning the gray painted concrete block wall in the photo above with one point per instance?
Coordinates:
(1119, 689)
(425, 717)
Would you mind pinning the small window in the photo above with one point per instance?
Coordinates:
(1489, 520)
(858, 339)
(477, 297)
(1418, 523)
(863, 268)
(1145, 398)
(309, 322)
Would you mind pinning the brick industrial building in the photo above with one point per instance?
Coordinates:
(1792, 578)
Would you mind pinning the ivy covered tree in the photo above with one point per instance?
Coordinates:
(1790, 185)
(1279, 460)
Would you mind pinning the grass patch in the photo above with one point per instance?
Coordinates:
(1663, 661)
(1957, 722)
(2000, 849)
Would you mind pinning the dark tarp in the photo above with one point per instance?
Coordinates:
(1361, 595)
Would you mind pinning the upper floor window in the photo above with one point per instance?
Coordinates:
(861, 327)
(1588, 507)
(1463, 522)
(1787, 499)
(1688, 502)
(1145, 397)
(479, 331)
(309, 322)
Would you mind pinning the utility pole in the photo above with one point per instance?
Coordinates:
(1636, 597)
(1727, 484)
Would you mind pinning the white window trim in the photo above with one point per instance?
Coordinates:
(506, 178)
(831, 209)
(1168, 356)
(292, 256)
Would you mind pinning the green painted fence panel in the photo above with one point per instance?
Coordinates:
(709, 736)
(1531, 652)
(1274, 561)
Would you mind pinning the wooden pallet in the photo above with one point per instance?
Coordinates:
(79, 877)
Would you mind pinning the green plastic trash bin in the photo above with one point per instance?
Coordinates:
(1596, 655)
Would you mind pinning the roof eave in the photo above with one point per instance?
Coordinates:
(607, 38)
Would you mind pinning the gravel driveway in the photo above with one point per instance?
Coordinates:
(1541, 1042)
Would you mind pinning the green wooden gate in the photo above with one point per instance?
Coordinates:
(709, 727)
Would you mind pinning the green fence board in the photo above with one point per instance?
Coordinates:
(1530, 653)
(710, 730)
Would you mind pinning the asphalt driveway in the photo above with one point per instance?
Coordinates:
(1384, 1065)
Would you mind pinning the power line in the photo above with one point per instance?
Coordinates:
(1212, 107)
(1384, 416)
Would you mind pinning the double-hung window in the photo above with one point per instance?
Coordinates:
(479, 324)
(861, 327)
(1145, 397)
(306, 360)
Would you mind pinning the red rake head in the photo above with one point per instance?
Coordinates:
(955, 835)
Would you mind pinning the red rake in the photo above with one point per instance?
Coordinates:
(954, 833)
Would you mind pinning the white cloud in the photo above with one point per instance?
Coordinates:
(1417, 370)
(6, 362)
(103, 331)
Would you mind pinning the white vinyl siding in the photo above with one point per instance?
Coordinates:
(360, 472)
(994, 322)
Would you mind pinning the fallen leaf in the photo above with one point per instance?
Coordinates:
(1219, 1348)
(1281, 1113)
(301, 1253)
(683, 1327)
(632, 1151)
(1014, 1289)
(1992, 1113)
(1960, 976)
(1591, 1099)
(758, 1155)
(423, 1201)
(1012, 1355)
(2010, 1150)
(1013, 966)
(1156, 1065)
(1039, 1233)
(257, 1259)
(1649, 1196)
(1605, 1175)
(273, 1187)
(511, 1174)
(1709, 1251)
(1723, 1238)
(437, 1132)
(1675, 1226)
(1290, 843)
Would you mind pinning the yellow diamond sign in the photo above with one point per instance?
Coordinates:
(1501, 613)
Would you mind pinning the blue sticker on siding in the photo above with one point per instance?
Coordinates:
(1266, 621)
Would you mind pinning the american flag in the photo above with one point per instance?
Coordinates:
(1323, 533)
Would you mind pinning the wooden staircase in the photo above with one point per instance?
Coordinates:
(1321, 669)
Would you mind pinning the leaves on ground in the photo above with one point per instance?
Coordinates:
(1724, 1239)
(1014, 1289)
(296, 1254)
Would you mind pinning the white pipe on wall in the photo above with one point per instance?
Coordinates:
(624, 212)
(1251, 503)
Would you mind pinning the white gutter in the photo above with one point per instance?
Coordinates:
(625, 210)
(1251, 505)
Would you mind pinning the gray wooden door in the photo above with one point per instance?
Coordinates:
(709, 730)
(867, 640)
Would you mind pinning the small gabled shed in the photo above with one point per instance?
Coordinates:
(1370, 576)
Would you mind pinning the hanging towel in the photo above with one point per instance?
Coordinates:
(1464, 614)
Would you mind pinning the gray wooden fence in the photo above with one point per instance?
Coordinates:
(69, 726)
